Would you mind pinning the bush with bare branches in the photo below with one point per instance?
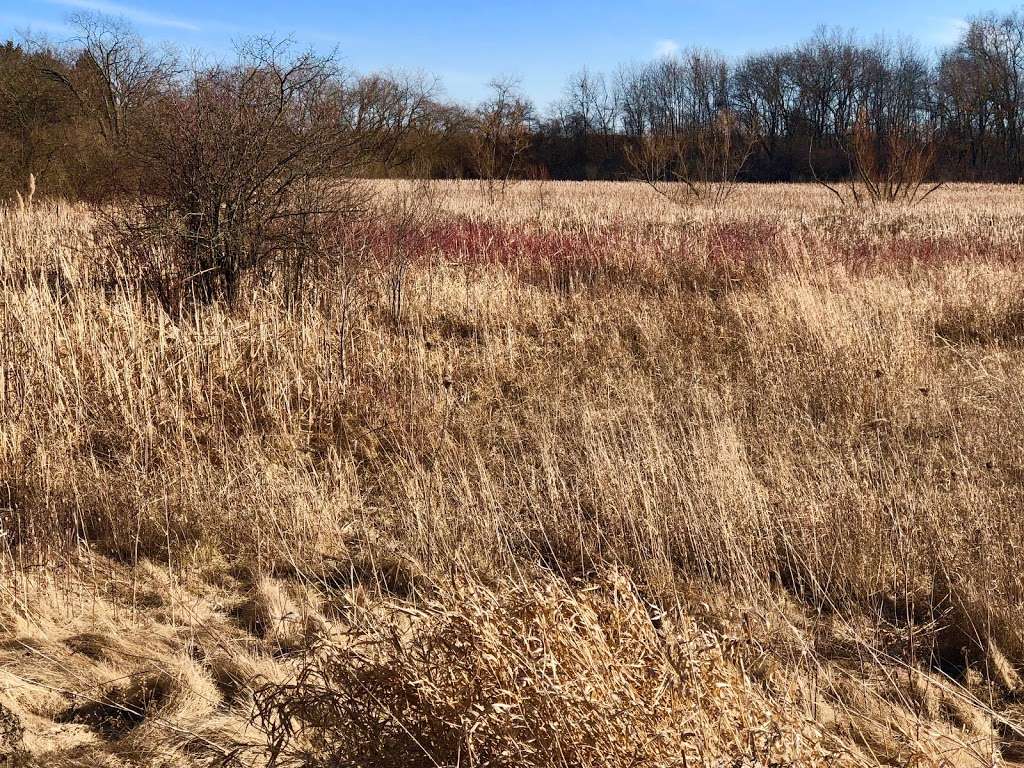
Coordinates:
(245, 167)
(500, 137)
(887, 166)
(697, 163)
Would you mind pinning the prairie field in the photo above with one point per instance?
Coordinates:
(563, 476)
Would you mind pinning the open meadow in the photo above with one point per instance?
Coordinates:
(567, 475)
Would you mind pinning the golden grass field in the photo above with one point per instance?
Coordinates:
(574, 478)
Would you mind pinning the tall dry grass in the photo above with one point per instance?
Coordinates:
(616, 484)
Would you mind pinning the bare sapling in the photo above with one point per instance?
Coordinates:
(891, 166)
(695, 164)
(409, 210)
(500, 138)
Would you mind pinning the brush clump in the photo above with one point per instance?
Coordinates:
(532, 675)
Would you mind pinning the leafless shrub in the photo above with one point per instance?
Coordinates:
(248, 170)
(500, 137)
(694, 164)
(409, 210)
(887, 166)
(242, 167)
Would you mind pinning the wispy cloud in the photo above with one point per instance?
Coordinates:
(30, 24)
(663, 48)
(945, 30)
(136, 14)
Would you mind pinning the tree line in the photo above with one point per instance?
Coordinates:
(90, 117)
(801, 106)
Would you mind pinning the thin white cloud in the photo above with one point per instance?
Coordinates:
(663, 48)
(138, 15)
(28, 24)
(945, 30)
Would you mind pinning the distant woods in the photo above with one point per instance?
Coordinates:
(107, 114)
(93, 116)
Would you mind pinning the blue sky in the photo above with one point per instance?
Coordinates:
(465, 42)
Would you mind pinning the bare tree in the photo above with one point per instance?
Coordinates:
(764, 91)
(112, 74)
(500, 136)
(994, 46)
(590, 103)
(589, 114)
(380, 115)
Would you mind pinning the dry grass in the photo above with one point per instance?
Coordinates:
(618, 484)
